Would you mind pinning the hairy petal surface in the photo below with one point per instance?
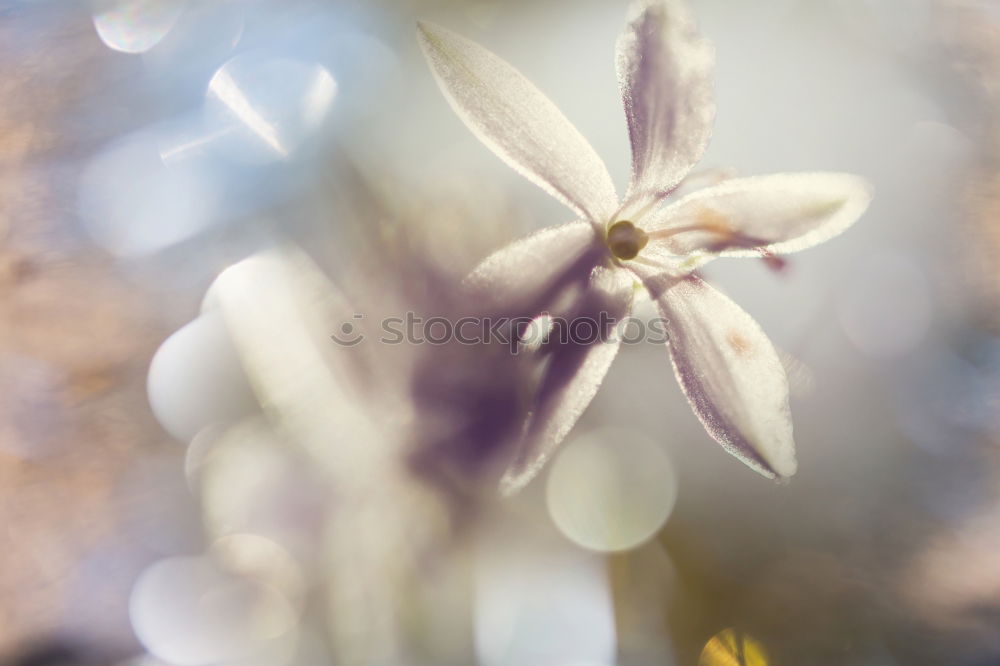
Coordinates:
(772, 214)
(575, 369)
(519, 123)
(665, 71)
(729, 372)
(523, 277)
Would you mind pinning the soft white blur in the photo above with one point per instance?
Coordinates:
(611, 490)
(247, 159)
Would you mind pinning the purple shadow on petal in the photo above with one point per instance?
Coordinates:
(484, 399)
(565, 354)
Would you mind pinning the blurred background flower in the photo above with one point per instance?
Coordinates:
(195, 194)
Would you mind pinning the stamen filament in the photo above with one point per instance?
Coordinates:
(673, 231)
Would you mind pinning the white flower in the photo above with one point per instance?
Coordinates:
(726, 365)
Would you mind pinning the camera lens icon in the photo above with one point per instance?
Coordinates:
(349, 333)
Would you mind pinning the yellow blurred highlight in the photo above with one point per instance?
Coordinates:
(732, 648)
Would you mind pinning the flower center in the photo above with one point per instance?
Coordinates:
(625, 240)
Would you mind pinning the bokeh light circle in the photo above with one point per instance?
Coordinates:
(611, 490)
(733, 648)
(135, 26)
(132, 203)
(189, 611)
(196, 379)
(261, 109)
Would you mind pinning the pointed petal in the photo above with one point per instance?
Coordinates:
(729, 372)
(574, 372)
(773, 214)
(521, 275)
(665, 73)
(518, 123)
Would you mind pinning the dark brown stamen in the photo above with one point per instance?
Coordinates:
(625, 240)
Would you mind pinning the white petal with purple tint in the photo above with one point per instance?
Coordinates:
(730, 373)
(519, 123)
(665, 72)
(776, 213)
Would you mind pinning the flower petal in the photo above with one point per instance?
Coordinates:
(518, 123)
(729, 372)
(773, 214)
(576, 367)
(520, 277)
(665, 73)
